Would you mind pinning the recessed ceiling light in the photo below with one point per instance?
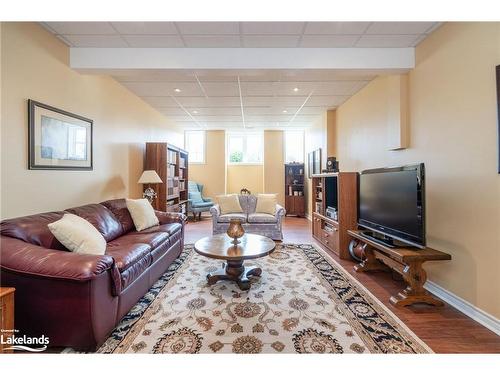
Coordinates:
(285, 111)
(177, 90)
(296, 89)
(195, 111)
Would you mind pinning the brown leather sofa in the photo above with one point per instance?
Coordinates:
(76, 300)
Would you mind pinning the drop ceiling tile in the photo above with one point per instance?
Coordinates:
(160, 101)
(329, 41)
(212, 41)
(215, 28)
(381, 28)
(278, 28)
(104, 41)
(164, 88)
(219, 118)
(352, 28)
(82, 28)
(270, 41)
(221, 88)
(391, 41)
(151, 28)
(326, 101)
(153, 41)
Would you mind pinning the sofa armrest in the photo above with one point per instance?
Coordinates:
(280, 211)
(215, 211)
(22, 257)
(171, 217)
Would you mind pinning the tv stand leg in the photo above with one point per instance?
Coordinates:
(370, 262)
(415, 276)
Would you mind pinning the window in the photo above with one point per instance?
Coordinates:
(294, 146)
(245, 148)
(194, 142)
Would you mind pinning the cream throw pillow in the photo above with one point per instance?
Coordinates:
(229, 204)
(142, 213)
(78, 235)
(266, 204)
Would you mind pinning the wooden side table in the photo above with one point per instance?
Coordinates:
(406, 261)
(6, 315)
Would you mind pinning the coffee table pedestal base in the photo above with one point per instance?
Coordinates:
(234, 270)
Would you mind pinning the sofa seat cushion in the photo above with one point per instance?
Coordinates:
(261, 218)
(132, 259)
(228, 217)
(153, 239)
(166, 228)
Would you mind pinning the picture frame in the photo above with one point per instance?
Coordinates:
(498, 113)
(58, 139)
(314, 162)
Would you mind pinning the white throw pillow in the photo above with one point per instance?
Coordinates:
(142, 213)
(229, 204)
(78, 235)
(266, 204)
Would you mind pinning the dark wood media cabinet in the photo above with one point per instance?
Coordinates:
(334, 191)
(406, 261)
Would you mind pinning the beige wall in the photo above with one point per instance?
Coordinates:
(274, 161)
(316, 137)
(453, 130)
(34, 65)
(245, 176)
(212, 174)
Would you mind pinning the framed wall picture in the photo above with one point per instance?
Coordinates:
(314, 162)
(498, 112)
(58, 139)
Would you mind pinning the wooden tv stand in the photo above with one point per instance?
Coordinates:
(407, 261)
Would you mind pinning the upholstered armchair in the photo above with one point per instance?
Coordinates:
(253, 222)
(196, 202)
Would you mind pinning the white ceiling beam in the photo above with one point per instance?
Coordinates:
(89, 59)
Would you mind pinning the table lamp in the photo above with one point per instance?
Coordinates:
(149, 177)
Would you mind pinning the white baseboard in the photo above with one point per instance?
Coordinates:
(308, 217)
(473, 312)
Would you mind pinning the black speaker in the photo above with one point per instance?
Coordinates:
(332, 165)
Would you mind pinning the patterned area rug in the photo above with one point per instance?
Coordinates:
(303, 303)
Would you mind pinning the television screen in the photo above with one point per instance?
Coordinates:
(391, 201)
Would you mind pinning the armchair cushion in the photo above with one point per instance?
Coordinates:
(195, 197)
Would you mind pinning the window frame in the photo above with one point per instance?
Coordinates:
(204, 153)
(244, 134)
(303, 144)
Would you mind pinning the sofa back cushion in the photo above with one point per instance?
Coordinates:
(251, 204)
(230, 204)
(101, 218)
(33, 229)
(119, 208)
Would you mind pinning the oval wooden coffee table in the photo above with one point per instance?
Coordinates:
(251, 246)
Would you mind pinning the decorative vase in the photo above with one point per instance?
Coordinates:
(235, 231)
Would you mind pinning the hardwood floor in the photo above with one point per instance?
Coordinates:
(445, 329)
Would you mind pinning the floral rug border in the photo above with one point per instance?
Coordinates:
(378, 331)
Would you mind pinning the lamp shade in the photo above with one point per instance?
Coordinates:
(149, 177)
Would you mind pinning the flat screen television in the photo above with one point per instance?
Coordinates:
(392, 204)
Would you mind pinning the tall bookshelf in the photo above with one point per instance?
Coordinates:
(295, 201)
(171, 164)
